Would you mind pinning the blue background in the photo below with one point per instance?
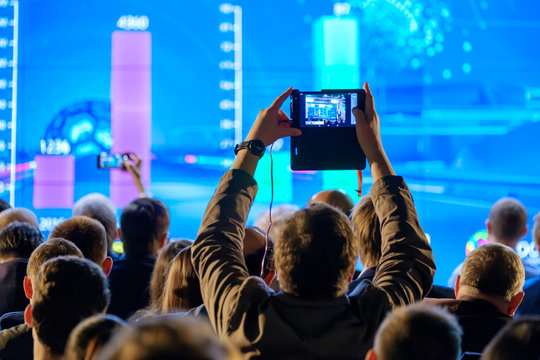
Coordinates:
(459, 119)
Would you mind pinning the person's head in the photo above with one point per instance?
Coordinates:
(520, 339)
(536, 231)
(507, 222)
(48, 250)
(167, 338)
(280, 215)
(4, 205)
(99, 207)
(254, 251)
(495, 273)
(367, 231)
(144, 225)
(90, 335)
(316, 253)
(18, 240)
(89, 236)
(182, 290)
(418, 331)
(337, 198)
(161, 269)
(18, 214)
(66, 290)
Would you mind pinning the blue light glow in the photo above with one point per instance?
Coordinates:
(447, 74)
(467, 68)
(467, 46)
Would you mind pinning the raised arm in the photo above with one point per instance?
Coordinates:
(406, 267)
(217, 252)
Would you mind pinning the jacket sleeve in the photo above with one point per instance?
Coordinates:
(217, 253)
(406, 267)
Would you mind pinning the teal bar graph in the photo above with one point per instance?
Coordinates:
(336, 53)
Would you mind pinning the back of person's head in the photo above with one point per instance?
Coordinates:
(520, 339)
(316, 253)
(19, 240)
(48, 250)
(367, 231)
(167, 338)
(66, 291)
(98, 207)
(337, 198)
(161, 269)
(144, 223)
(494, 270)
(88, 234)
(280, 215)
(254, 252)
(418, 331)
(18, 214)
(4, 205)
(182, 290)
(90, 335)
(507, 221)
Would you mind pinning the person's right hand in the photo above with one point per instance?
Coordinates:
(369, 136)
(368, 127)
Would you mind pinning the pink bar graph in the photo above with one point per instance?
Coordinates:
(131, 108)
(54, 181)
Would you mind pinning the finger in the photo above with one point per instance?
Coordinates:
(369, 96)
(358, 113)
(285, 131)
(280, 100)
(282, 117)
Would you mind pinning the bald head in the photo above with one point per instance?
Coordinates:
(336, 198)
(18, 214)
(98, 207)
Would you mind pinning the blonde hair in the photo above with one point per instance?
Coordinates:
(367, 231)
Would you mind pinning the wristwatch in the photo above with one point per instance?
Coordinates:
(255, 146)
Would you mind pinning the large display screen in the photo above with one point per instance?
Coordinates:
(456, 85)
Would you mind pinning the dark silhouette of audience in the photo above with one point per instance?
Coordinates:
(144, 226)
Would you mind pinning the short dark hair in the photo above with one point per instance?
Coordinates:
(536, 230)
(254, 260)
(182, 290)
(98, 207)
(96, 331)
(88, 234)
(367, 231)
(18, 214)
(167, 338)
(66, 290)
(493, 269)
(316, 253)
(419, 331)
(19, 239)
(143, 222)
(161, 269)
(519, 339)
(48, 250)
(508, 219)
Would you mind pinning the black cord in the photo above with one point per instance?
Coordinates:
(270, 210)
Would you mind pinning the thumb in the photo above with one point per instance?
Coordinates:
(284, 132)
(358, 114)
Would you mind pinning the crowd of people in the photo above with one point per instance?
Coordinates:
(236, 292)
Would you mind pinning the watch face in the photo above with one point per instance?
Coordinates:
(256, 147)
